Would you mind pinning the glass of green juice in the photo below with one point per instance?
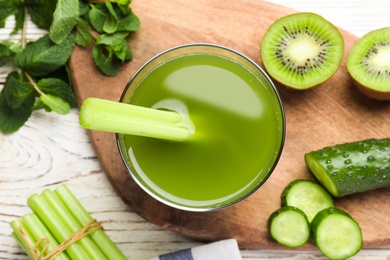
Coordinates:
(238, 127)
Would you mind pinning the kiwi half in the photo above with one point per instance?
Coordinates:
(368, 64)
(302, 50)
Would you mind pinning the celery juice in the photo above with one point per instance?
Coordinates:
(239, 132)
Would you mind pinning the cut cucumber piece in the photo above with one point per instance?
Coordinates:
(336, 234)
(352, 167)
(289, 226)
(308, 196)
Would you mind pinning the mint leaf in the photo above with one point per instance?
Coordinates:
(110, 18)
(97, 17)
(12, 119)
(128, 22)
(111, 51)
(65, 18)
(9, 8)
(16, 90)
(116, 44)
(105, 60)
(41, 12)
(123, 2)
(59, 88)
(123, 5)
(123, 52)
(83, 36)
(5, 49)
(55, 104)
(20, 15)
(15, 48)
(43, 56)
(111, 22)
(83, 8)
(112, 39)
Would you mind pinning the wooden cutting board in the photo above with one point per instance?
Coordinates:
(332, 113)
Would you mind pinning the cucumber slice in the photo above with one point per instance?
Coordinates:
(336, 234)
(308, 196)
(289, 226)
(352, 167)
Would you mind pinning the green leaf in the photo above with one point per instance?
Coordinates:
(123, 2)
(83, 36)
(97, 17)
(105, 60)
(9, 49)
(111, 22)
(12, 119)
(41, 12)
(9, 8)
(129, 22)
(43, 56)
(123, 5)
(116, 44)
(59, 88)
(123, 52)
(5, 49)
(83, 8)
(16, 90)
(55, 104)
(112, 39)
(65, 18)
(15, 48)
(20, 15)
(110, 18)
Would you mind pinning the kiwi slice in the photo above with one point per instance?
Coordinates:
(368, 64)
(302, 50)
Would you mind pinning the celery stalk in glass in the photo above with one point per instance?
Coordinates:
(110, 116)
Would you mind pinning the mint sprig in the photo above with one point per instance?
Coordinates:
(40, 77)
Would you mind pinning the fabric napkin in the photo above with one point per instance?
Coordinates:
(221, 250)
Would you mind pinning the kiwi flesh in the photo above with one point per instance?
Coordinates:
(368, 64)
(302, 50)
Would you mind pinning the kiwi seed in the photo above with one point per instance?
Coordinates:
(368, 64)
(302, 50)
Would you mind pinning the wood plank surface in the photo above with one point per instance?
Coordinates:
(332, 113)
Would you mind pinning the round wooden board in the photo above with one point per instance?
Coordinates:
(332, 113)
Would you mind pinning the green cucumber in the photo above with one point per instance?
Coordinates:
(289, 226)
(352, 167)
(336, 234)
(308, 196)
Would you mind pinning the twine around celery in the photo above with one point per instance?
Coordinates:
(89, 228)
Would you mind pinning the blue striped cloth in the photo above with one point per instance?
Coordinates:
(222, 250)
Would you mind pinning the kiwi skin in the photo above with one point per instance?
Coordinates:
(288, 53)
(368, 45)
(372, 93)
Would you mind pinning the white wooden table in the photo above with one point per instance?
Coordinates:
(52, 149)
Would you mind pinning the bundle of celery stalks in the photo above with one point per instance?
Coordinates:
(60, 228)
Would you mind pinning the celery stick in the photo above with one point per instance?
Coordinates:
(38, 230)
(18, 236)
(22, 245)
(110, 116)
(43, 210)
(81, 214)
(67, 219)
